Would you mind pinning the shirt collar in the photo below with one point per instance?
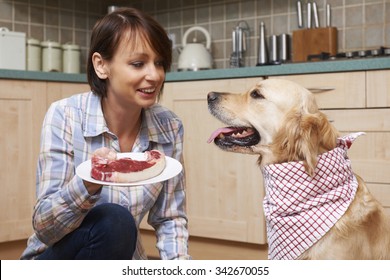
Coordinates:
(152, 127)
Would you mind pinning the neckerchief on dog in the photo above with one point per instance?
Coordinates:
(300, 209)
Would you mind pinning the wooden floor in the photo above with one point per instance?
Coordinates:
(199, 248)
(12, 250)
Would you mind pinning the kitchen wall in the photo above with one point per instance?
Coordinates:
(362, 24)
(57, 20)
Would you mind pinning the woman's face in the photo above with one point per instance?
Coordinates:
(135, 75)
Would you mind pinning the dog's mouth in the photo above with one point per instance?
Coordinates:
(235, 136)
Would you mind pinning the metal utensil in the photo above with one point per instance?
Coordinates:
(240, 36)
(315, 15)
(299, 13)
(273, 49)
(284, 47)
(328, 15)
(308, 15)
(263, 52)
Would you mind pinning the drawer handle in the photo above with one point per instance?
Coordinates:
(320, 89)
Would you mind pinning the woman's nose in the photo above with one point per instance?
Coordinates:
(153, 72)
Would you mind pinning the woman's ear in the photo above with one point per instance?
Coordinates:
(99, 65)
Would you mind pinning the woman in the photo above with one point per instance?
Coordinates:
(75, 219)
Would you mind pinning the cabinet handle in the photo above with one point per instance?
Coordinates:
(320, 89)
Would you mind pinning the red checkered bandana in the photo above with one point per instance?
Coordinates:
(300, 209)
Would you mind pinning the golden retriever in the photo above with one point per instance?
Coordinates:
(279, 120)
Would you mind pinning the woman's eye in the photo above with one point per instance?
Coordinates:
(137, 64)
(159, 63)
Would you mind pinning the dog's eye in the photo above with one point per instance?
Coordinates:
(256, 94)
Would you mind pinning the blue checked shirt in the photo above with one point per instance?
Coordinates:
(72, 130)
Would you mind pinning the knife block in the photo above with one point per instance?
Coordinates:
(313, 42)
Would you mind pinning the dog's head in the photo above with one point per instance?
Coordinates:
(277, 119)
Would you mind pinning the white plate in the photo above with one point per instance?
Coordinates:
(172, 168)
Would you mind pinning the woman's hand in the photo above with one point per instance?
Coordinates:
(92, 188)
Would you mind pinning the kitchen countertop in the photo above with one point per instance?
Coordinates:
(274, 70)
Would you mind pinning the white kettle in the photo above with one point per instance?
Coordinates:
(195, 56)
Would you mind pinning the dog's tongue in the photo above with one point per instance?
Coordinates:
(218, 132)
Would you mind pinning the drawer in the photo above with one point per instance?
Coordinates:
(370, 153)
(374, 120)
(378, 89)
(334, 90)
(382, 193)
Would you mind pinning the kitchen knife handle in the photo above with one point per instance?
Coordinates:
(328, 15)
(299, 12)
(315, 15)
(308, 15)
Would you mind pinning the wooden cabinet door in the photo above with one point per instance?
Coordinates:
(378, 88)
(334, 90)
(23, 104)
(224, 189)
(57, 91)
(370, 153)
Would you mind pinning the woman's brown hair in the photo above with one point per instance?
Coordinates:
(112, 28)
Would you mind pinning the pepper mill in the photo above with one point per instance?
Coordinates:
(263, 52)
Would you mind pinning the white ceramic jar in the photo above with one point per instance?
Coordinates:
(70, 58)
(34, 55)
(51, 56)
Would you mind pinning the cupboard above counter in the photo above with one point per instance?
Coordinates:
(351, 65)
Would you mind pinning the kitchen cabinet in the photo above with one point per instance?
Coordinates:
(23, 106)
(224, 190)
(359, 101)
(56, 90)
(21, 115)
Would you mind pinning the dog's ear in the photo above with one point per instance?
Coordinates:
(302, 137)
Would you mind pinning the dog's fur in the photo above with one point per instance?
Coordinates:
(285, 125)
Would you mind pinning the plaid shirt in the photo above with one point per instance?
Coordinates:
(300, 209)
(72, 130)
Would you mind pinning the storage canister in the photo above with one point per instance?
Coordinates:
(70, 58)
(51, 56)
(12, 49)
(34, 55)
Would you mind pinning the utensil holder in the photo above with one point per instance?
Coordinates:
(313, 41)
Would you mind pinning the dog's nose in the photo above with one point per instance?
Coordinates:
(212, 97)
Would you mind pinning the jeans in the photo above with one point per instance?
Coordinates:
(108, 232)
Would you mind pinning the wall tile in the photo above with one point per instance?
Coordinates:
(353, 38)
(37, 14)
(37, 32)
(217, 12)
(354, 16)
(51, 16)
(232, 10)
(373, 36)
(52, 33)
(203, 15)
(21, 12)
(264, 7)
(66, 35)
(5, 11)
(374, 14)
(188, 16)
(66, 19)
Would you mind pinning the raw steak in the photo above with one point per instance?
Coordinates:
(107, 167)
